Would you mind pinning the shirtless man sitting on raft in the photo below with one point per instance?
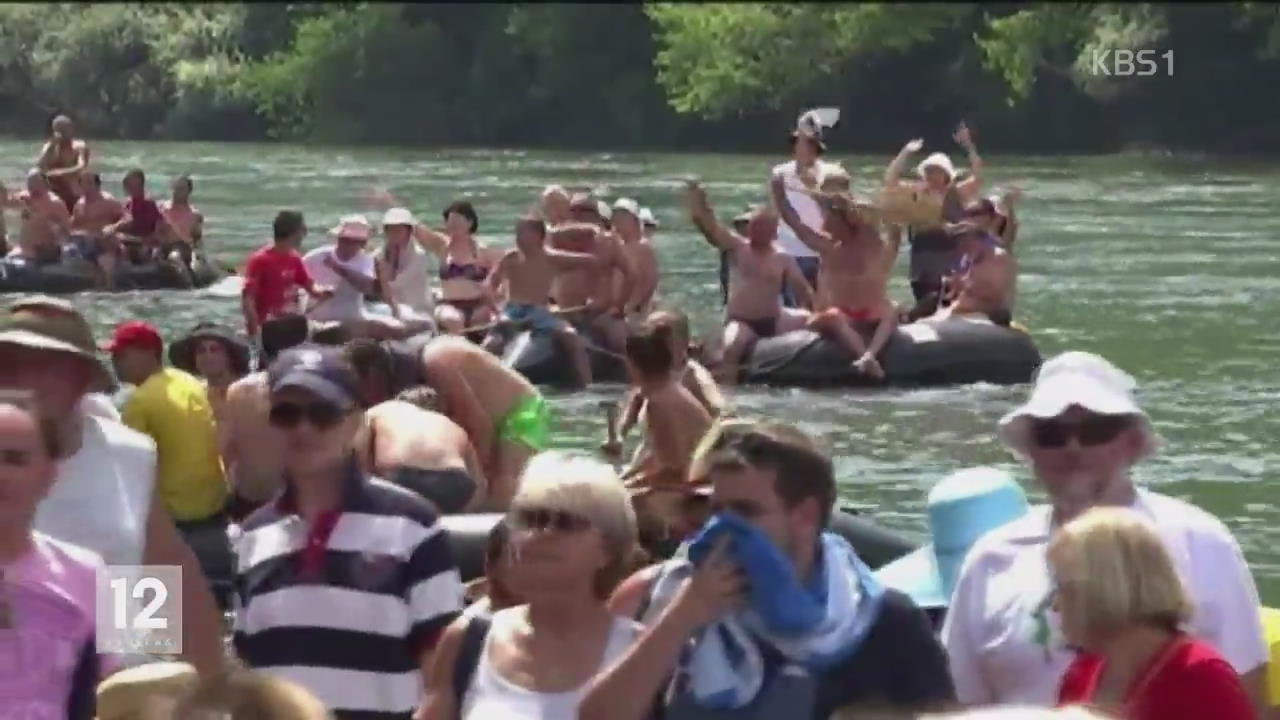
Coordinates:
(184, 223)
(589, 297)
(45, 221)
(984, 281)
(757, 274)
(529, 271)
(506, 418)
(410, 443)
(94, 212)
(853, 278)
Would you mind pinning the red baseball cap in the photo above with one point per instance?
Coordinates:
(134, 333)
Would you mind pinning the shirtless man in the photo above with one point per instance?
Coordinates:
(62, 159)
(758, 272)
(674, 424)
(594, 297)
(94, 212)
(853, 280)
(414, 446)
(251, 455)
(45, 221)
(528, 272)
(185, 230)
(505, 416)
(626, 225)
(985, 278)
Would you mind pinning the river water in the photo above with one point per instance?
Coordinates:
(1169, 267)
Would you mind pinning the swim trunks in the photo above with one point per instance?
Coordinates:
(761, 327)
(537, 316)
(468, 308)
(88, 246)
(449, 489)
(527, 423)
(860, 316)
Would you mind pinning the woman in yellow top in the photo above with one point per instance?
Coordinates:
(172, 408)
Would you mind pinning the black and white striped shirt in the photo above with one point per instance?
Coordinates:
(346, 607)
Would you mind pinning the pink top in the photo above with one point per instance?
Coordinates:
(50, 594)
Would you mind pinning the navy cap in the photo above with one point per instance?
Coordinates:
(318, 369)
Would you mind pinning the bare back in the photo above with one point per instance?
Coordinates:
(406, 435)
(574, 288)
(250, 449)
(644, 260)
(674, 425)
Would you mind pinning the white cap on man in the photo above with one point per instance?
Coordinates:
(627, 205)
(647, 219)
(398, 216)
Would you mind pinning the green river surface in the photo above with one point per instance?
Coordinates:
(1170, 267)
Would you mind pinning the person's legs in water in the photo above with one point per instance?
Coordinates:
(448, 489)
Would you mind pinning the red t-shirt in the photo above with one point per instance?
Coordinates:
(1188, 680)
(144, 217)
(272, 278)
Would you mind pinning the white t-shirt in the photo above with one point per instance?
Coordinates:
(100, 405)
(1005, 644)
(805, 206)
(347, 302)
(101, 497)
(411, 287)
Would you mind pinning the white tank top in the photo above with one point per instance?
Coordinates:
(492, 696)
(102, 494)
(412, 286)
(805, 206)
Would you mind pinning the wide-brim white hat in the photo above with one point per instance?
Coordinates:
(398, 216)
(1082, 379)
(352, 226)
(939, 160)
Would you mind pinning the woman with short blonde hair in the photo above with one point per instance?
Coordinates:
(572, 538)
(1123, 605)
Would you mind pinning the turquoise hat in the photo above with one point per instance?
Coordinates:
(961, 508)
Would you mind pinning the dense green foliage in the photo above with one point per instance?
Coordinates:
(658, 75)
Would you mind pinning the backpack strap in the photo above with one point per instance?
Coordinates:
(464, 666)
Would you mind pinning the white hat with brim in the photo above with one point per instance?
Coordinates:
(962, 507)
(627, 205)
(602, 209)
(398, 216)
(647, 219)
(1081, 379)
(355, 227)
(937, 160)
(37, 323)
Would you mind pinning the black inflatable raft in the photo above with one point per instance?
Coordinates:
(874, 544)
(538, 357)
(73, 276)
(952, 352)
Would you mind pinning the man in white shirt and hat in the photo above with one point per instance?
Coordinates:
(350, 271)
(790, 186)
(401, 267)
(1081, 432)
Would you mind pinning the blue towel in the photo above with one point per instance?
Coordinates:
(816, 627)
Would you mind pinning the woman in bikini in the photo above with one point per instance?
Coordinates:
(464, 266)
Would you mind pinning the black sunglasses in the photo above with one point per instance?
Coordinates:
(544, 519)
(287, 415)
(1090, 432)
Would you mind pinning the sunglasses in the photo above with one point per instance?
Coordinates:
(545, 519)
(15, 458)
(1092, 431)
(288, 415)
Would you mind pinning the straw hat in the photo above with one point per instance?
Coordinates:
(355, 227)
(145, 692)
(40, 322)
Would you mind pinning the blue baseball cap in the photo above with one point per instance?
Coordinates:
(318, 369)
(961, 508)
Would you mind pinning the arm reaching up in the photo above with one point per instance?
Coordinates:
(893, 173)
(969, 187)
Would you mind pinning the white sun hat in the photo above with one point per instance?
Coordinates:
(398, 216)
(352, 226)
(647, 219)
(1082, 379)
(939, 160)
(627, 205)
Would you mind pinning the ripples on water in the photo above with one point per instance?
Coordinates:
(1169, 267)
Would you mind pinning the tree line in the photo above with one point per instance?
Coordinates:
(660, 76)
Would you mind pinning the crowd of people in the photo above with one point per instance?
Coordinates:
(298, 474)
(65, 215)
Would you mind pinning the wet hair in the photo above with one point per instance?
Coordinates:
(802, 470)
(420, 396)
(650, 350)
(136, 172)
(286, 224)
(465, 209)
(281, 333)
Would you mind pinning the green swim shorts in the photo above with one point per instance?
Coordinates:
(528, 423)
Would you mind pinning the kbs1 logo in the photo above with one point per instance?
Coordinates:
(139, 609)
(1132, 63)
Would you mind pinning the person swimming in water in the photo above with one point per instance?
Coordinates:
(758, 272)
(932, 252)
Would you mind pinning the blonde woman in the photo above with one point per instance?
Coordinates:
(1123, 604)
(573, 535)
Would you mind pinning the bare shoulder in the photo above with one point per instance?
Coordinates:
(626, 598)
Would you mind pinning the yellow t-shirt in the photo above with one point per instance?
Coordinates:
(173, 408)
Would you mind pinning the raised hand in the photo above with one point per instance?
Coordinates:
(963, 136)
(715, 588)
(913, 146)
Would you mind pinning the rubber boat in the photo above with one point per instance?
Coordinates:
(874, 544)
(73, 276)
(956, 351)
